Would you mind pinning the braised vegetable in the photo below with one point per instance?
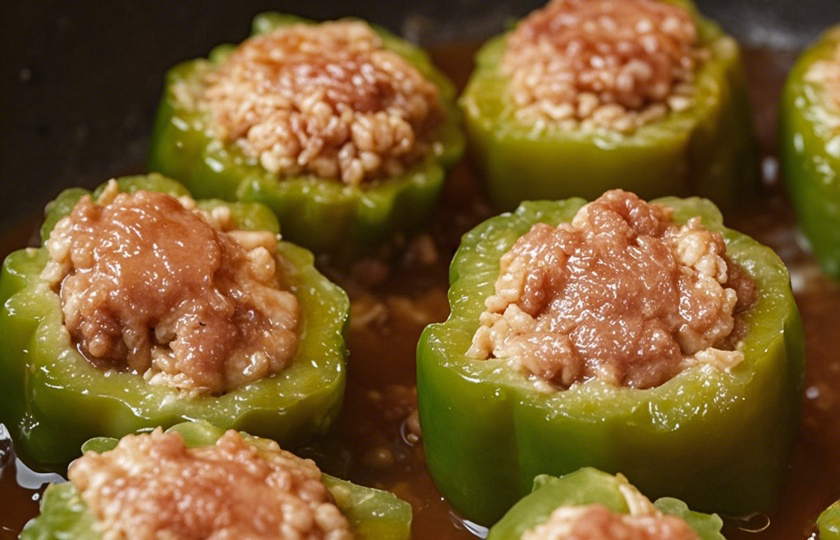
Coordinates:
(55, 399)
(586, 487)
(717, 439)
(810, 155)
(828, 523)
(702, 148)
(373, 514)
(320, 213)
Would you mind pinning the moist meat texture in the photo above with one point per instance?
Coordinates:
(621, 294)
(324, 99)
(150, 284)
(151, 486)
(597, 522)
(614, 64)
(826, 73)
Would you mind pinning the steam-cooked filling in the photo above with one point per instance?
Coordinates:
(614, 64)
(826, 73)
(597, 522)
(151, 486)
(621, 294)
(150, 284)
(324, 99)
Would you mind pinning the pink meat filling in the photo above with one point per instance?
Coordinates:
(150, 284)
(621, 293)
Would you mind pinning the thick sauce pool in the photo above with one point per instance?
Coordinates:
(375, 442)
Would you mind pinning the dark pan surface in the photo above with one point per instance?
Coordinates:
(79, 81)
(79, 85)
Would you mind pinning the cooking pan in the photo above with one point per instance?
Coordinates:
(81, 81)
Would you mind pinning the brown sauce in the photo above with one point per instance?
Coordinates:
(372, 443)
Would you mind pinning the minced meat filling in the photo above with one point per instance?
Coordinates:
(597, 522)
(621, 294)
(151, 486)
(326, 99)
(614, 64)
(150, 284)
(827, 74)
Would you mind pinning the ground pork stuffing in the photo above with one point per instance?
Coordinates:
(152, 487)
(324, 99)
(826, 73)
(621, 294)
(150, 284)
(614, 64)
(597, 522)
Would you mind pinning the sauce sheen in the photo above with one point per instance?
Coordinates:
(375, 442)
